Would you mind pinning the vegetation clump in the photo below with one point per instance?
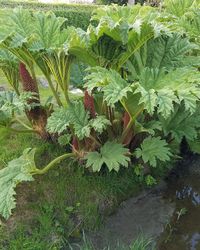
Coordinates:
(141, 89)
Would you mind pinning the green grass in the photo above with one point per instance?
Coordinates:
(58, 205)
(141, 243)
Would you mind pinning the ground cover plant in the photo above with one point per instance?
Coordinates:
(141, 90)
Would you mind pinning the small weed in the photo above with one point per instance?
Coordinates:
(141, 243)
(181, 212)
(170, 230)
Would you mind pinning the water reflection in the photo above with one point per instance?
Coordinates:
(188, 192)
(185, 232)
(194, 241)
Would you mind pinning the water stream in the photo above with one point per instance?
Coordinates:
(183, 231)
(168, 214)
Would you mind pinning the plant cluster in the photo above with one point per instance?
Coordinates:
(141, 89)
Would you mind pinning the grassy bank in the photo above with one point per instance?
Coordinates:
(59, 205)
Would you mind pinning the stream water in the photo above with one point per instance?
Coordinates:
(183, 231)
(168, 214)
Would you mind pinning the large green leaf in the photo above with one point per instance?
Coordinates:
(59, 63)
(167, 52)
(6, 58)
(160, 90)
(179, 7)
(153, 149)
(100, 123)
(184, 16)
(129, 26)
(116, 89)
(112, 154)
(47, 31)
(10, 102)
(136, 41)
(190, 96)
(76, 116)
(131, 105)
(148, 98)
(181, 124)
(79, 117)
(20, 28)
(163, 54)
(165, 101)
(115, 21)
(10, 67)
(97, 77)
(22, 22)
(58, 121)
(17, 171)
(190, 23)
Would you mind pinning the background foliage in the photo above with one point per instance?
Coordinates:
(77, 15)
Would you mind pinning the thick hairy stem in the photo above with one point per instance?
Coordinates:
(53, 163)
(130, 124)
(59, 65)
(67, 80)
(22, 123)
(111, 114)
(128, 134)
(126, 119)
(16, 90)
(127, 129)
(54, 91)
(95, 140)
(75, 144)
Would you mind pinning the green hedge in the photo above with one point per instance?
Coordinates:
(76, 18)
(78, 15)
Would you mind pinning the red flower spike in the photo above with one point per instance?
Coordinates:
(28, 83)
(89, 103)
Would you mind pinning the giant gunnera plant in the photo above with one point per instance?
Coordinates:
(141, 91)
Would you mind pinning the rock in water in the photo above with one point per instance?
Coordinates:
(147, 214)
